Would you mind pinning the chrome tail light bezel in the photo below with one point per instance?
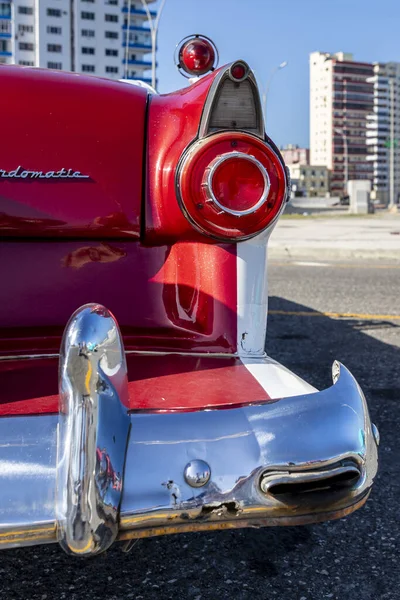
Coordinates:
(208, 184)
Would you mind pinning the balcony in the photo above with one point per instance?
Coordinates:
(139, 12)
(5, 53)
(135, 28)
(144, 79)
(139, 63)
(5, 15)
(137, 46)
(5, 35)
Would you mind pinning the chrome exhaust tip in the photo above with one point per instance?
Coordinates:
(293, 487)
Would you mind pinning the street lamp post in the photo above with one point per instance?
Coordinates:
(346, 158)
(265, 94)
(392, 146)
(154, 31)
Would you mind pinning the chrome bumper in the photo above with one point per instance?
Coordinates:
(99, 474)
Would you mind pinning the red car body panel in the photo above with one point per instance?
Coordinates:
(165, 293)
(60, 121)
(174, 121)
(179, 297)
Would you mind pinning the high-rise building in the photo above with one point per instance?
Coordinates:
(108, 38)
(383, 132)
(341, 97)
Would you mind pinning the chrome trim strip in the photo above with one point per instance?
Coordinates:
(92, 433)
(142, 353)
(212, 96)
(209, 183)
(296, 435)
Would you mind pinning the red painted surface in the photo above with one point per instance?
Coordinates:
(62, 120)
(205, 214)
(156, 383)
(174, 121)
(172, 297)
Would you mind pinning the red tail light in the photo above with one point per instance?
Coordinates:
(196, 55)
(231, 186)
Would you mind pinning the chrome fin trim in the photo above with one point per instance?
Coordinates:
(213, 97)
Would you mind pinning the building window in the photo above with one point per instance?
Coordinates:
(111, 52)
(92, 1)
(111, 69)
(111, 18)
(25, 28)
(51, 29)
(25, 10)
(87, 32)
(26, 46)
(87, 15)
(53, 12)
(112, 35)
(26, 63)
(87, 69)
(113, 2)
(5, 9)
(54, 48)
(54, 65)
(86, 50)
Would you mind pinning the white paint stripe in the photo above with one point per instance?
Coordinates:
(311, 264)
(276, 379)
(252, 306)
(252, 295)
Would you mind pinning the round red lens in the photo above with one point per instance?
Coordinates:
(238, 184)
(238, 71)
(197, 57)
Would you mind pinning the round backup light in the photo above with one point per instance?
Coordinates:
(238, 71)
(196, 56)
(237, 183)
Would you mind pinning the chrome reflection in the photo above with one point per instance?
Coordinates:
(93, 431)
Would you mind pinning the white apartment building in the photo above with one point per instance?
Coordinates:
(341, 97)
(383, 131)
(108, 38)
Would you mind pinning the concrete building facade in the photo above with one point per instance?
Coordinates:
(383, 133)
(341, 97)
(108, 38)
(309, 180)
(292, 154)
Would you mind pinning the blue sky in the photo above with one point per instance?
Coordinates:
(265, 33)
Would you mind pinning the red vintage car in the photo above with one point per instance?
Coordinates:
(153, 409)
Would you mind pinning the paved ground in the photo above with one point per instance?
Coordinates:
(351, 237)
(354, 558)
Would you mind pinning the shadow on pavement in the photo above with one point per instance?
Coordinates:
(356, 557)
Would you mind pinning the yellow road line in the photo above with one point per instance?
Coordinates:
(335, 315)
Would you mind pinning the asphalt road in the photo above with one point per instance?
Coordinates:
(354, 558)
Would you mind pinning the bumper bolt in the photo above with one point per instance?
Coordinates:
(197, 473)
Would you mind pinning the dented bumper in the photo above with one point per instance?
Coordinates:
(99, 474)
